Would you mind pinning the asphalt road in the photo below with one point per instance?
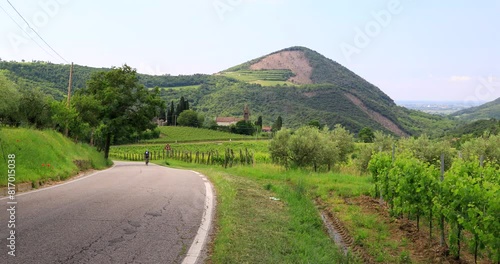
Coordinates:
(131, 213)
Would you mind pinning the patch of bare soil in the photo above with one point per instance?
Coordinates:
(420, 247)
(339, 233)
(384, 121)
(296, 61)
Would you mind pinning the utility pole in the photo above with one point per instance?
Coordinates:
(66, 131)
(70, 83)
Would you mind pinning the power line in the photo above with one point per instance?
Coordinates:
(26, 32)
(37, 32)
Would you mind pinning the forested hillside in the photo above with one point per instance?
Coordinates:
(297, 83)
(485, 111)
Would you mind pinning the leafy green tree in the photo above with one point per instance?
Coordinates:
(125, 105)
(314, 123)
(34, 108)
(487, 146)
(87, 106)
(428, 150)
(381, 142)
(10, 98)
(305, 147)
(330, 151)
(190, 118)
(244, 128)
(345, 141)
(64, 117)
(279, 149)
(366, 135)
(210, 124)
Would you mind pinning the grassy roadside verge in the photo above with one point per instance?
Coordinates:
(252, 228)
(45, 155)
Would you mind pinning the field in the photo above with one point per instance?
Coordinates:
(369, 226)
(259, 148)
(44, 155)
(273, 83)
(189, 87)
(263, 77)
(172, 134)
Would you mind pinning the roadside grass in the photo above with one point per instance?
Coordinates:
(44, 155)
(172, 134)
(252, 228)
(248, 221)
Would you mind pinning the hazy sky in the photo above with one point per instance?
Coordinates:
(412, 50)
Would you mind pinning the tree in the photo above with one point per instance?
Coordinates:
(305, 147)
(330, 151)
(163, 113)
(34, 108)
(170, 115)
(428, 150)
(258, 123)
(278, 124)
(189, 118)
(210, 124)
(64, 117)
(381, 142)
(87, 106)
(344, 141)
(314, 123)
(244, 128)
(366, 135)
(182, 106)
(278, 147)
(10, 97)
(125, 105)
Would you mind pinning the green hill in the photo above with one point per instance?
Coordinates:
(477, 128)
(297, 84)
(485, 111)
(45, 155)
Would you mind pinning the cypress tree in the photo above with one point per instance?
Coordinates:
(170, 115)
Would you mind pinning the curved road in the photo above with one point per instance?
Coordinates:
(130, 213)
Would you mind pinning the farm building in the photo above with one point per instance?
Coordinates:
(227, 121)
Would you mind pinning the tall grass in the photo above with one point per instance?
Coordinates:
(44, 154)
(252, 228)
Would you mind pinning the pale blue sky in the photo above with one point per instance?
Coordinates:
(414, 50)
